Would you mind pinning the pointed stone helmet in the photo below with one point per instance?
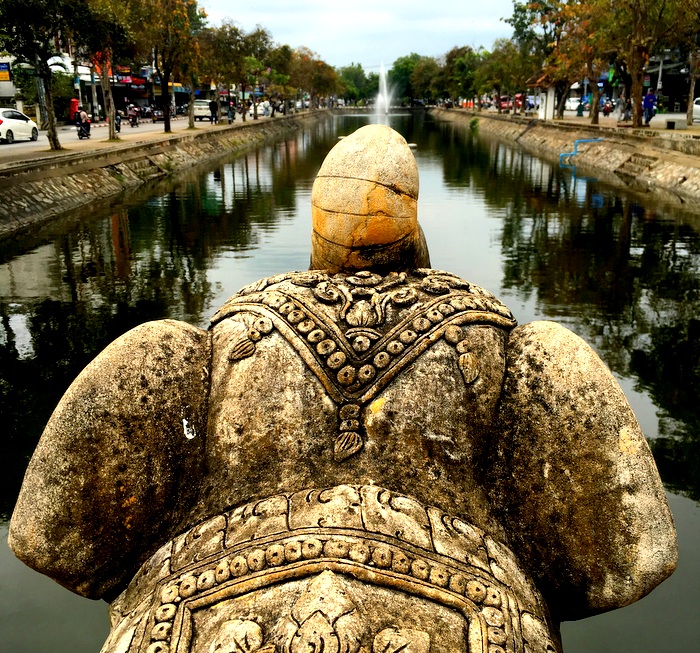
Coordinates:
(364, 205)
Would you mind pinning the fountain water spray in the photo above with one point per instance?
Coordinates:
(383, 101)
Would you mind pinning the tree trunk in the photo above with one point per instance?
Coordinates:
(243, 104)
(107, 94)
(595, 104)
(691, 95)
(47, 79)
(190, 108)
(637, 91)
(165, 96)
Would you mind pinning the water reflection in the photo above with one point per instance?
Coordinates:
(622, 274)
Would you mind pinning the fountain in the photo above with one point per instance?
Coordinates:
(383, 101)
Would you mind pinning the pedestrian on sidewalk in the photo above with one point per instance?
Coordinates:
(648, 105)
(628, 110)
(213, 112)
(619, 108)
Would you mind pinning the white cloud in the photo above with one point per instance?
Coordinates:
(370, 32)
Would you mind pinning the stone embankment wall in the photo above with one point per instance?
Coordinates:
(663, 163)
(33, 192)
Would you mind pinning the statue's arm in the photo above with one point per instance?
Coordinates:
(118, 464)
(573, 478)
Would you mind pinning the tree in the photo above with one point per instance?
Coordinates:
(166, 33)
(425, 78)
(495, 75)
(24, 78)
(247, 58)
(279, 60)
(312, 75)
(461, 64)
(590, 33)
(400, 76)
(30, 31)
(220, 47)
(694, 69)
(639, 27)
(354, 81)
(105, 36)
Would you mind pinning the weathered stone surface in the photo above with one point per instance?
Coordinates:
(354, 460)
(592, 519)
(110, 478)
(364, 205)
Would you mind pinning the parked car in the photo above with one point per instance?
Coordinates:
(506, 103)
(572, 103)
(14, 124)
(696, 109)
(201, 110)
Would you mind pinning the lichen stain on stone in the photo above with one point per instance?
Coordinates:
(627, 442)
(377, 405)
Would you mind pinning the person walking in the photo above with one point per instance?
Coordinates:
(619, 108)
(628, 109)
(213, 112)
(648, 105)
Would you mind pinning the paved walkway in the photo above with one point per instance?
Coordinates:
(658, 122)
(32, 151)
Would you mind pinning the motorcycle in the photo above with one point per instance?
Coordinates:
(83, 130)
(133, 116)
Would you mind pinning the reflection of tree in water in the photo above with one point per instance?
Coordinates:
(626, 277)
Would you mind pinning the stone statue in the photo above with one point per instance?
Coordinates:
(369, 456)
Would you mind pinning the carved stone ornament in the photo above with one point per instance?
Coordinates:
(357, 332)
(383, 573)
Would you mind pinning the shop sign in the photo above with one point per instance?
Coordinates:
(4, 72)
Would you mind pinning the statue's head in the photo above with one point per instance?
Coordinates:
(364, 205)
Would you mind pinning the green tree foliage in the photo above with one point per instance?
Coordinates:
(279, 61)
(354, 82)
(461, 64)
(24, 79)
(426, 79)
(400, 77)
(496, 72)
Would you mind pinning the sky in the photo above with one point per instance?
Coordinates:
(370, 32)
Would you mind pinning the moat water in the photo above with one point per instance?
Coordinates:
(621, 271)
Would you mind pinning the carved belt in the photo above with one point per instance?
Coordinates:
(349, 568)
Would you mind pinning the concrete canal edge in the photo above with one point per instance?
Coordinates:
(32, 193)
(663, 163)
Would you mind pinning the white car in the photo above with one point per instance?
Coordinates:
(696, 109)
(14, 125)
(201, 110)
(572, 103)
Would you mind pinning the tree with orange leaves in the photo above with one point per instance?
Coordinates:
(166, 38)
